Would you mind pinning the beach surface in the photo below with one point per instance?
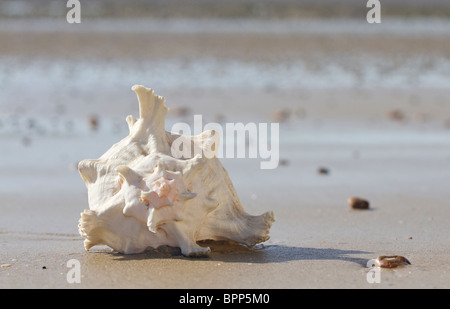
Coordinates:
(370, 105)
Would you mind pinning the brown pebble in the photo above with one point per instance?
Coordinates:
(410, 238)
(323, 170)
(93, 122)
(396, 114)
(179, 111)
(44, 267)
(358, 203)
(280, 115)
(283, 162)
(391, 261)
(220, 118)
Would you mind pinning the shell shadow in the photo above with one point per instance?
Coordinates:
(282, 253)
(234, 253)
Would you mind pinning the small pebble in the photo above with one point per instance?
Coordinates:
(396, 114)
(280, 115)
(31, 123)
(93, 122)
(44, 267)
(283, 162)
(358, 203)
(323, 170)
(178, 111)
(219, 118)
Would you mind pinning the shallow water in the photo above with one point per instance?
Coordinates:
(42, 85)
(418, 26)
(45, 99)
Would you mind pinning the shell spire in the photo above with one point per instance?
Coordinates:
(150, 126)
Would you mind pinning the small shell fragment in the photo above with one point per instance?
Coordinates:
(179, 111)
(391, 261)
(396, 115)
(283, 162)
(358, 203)
(323, 170)
(93, 122)
(280, 115)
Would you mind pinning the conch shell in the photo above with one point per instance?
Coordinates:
(141, 195)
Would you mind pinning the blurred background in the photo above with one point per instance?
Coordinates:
(337, 85)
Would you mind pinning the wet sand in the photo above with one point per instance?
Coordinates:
(316, 241)
(401, 165)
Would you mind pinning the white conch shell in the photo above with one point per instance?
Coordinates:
(141, 196)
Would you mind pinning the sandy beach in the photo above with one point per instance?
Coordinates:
(369, 105)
